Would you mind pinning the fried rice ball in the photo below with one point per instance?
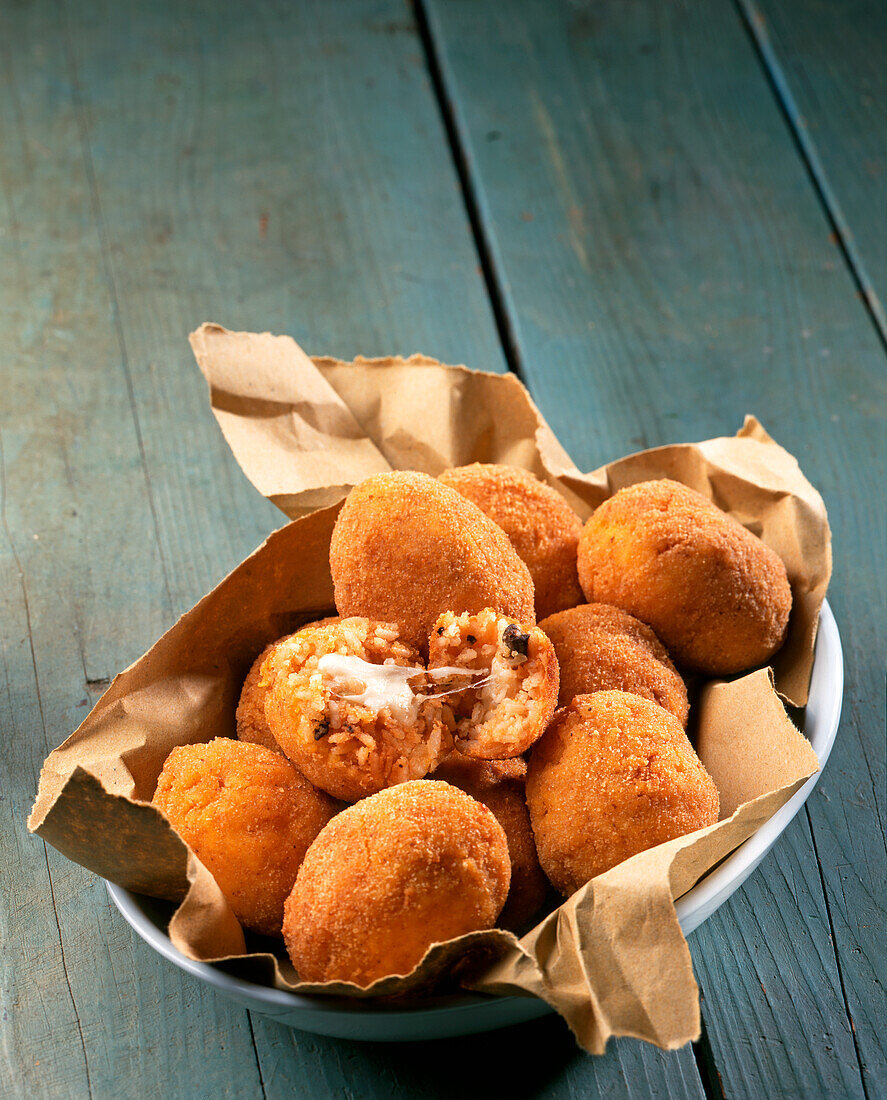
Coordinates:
(716, 595)
(499, 784)
(252, 725)
(506, 705)
(601, 648)
(406, 548)
(542, 527)
(411, 866)
(614, 775)
(249, 816)
(351, 705)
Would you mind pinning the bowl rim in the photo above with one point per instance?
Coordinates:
(823, 715)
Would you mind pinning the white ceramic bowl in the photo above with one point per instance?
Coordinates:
(467, 1013)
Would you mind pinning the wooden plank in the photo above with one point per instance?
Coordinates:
(538, 1059)
(756, 1041)
(828, 66)
(279, 168)
(40, 1024)
(84, 591)
(827, 63)
(666, 267)
(279, 196)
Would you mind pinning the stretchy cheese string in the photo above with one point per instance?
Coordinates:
(387, 685)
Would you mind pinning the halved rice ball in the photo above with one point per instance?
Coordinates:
(350, 705)
(252, 725)
(511, 695)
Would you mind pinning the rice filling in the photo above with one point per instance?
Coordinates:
(377, 686)
(501, 714)
(340, 704)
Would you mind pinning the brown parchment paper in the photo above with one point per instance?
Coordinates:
(291, 423)
(612, 959)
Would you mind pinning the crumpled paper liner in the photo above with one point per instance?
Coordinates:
(612, 959)
(306, 430)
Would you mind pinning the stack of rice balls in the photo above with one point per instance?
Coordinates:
(430, 761)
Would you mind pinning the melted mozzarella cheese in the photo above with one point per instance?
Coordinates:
(383, 685)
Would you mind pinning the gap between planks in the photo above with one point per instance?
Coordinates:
(755, 24)
(833, 940)
(252, 1035)
(458, 149)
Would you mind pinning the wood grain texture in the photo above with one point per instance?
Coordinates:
(767, 948)
(828, 64)
(539, 1060)
(667, 266)
(84, 591)
(280, 167)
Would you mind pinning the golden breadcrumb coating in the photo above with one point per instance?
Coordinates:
(542, 527)
(499, 784)
(508, 704)
(252, 725)
(613, 775)
(717, 597)
(345, 742)
(406, 548)
(600, 648)
(249, 817)
(416, 864)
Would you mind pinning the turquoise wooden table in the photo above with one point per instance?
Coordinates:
(661, 215)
